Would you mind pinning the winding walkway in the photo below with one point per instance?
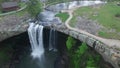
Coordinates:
(3, 14)
(109, 42)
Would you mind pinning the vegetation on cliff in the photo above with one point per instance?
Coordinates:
(5, 54)
(83, 56)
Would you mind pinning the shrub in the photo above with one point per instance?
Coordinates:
(34, 7)
(117, 15)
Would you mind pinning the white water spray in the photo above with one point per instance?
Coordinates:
(35, 33)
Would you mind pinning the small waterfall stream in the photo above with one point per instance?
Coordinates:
(35, 33)
(52, 40)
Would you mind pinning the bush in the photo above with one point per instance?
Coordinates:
(63, 16)
(70, 42)
(34, 7)
(117, 15)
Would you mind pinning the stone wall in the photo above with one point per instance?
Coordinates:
(7, 32)
(110, 54)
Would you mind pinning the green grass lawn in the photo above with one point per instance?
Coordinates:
(63, 16)
(105, 15)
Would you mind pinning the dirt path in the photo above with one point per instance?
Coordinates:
(109, 42)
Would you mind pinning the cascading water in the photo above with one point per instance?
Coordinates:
(52, 40)
(35, 33)
(44, 59)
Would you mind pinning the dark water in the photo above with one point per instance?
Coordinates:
(20, 54)
(27, 61)
(18, 51)
(30, 62)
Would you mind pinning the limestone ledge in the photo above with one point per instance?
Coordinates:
(110, 54)
(7, 33)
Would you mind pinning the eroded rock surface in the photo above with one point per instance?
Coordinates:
(11, 25)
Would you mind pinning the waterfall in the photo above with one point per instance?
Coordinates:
(35, 33)
(52, 40)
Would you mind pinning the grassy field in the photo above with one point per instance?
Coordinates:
(105, 15)
(63, 16)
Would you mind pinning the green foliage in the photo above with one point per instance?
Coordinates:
(91, 62)
(78, 55)
(82, 49)
(34, 7)
(5, 54)
(21, 4)
(63, 16)
(70, 42)
(117, 15)
(82, 56)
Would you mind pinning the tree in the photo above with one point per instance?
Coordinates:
(34, 7)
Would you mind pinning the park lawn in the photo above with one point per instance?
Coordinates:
(63, 16)
(104, 15)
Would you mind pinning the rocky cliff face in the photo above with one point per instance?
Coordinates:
(6, 34)
(11, 25)
(110, 54)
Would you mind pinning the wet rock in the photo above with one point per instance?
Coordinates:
(46, 16)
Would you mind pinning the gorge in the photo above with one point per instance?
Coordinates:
(51, 51)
